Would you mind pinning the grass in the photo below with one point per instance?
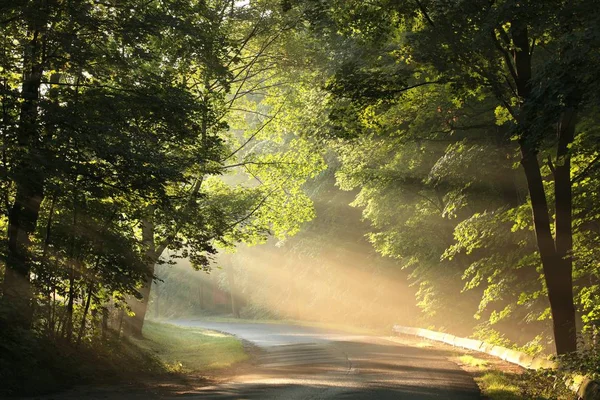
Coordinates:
(473, 361)
(189, 350)
(535, 385)
(494, 384)
(33, 365)
(499, 383)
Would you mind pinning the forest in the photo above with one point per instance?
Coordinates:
(429, 163)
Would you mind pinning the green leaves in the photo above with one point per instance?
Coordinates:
(428, 105)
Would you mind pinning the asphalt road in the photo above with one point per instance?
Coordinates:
(315, 364)
(303, 363)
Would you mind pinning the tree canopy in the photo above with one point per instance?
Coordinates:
(137, 132)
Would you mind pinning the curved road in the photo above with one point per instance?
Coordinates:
(315, 364)
(303, 363)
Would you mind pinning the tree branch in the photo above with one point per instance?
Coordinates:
(592, 165)
(425, 14)
(506, 55)
(551, 165)
(255, 163)
(255, 133)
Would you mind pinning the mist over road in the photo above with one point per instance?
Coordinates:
(297, 362)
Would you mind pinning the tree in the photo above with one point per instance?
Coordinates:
(205, 213)
(100, 109)
(483, 50)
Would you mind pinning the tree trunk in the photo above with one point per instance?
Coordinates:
(52, 317)
(85, 312)
(135, 324)
(557, 270)
(69, 320)
(564, 233)
(232, 292)
(157, 299)
(29, 182)
(74, 261)
(120, 328)
(22, 221)
(104, 323)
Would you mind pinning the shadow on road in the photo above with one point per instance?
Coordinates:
(299, 363)
(349, 370)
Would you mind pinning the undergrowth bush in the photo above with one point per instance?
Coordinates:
(32, 364)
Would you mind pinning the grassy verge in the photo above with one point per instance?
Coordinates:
(183, 349)
(31, 365)
(473, 361)
(498, 384)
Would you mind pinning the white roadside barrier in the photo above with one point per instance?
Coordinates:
(584, 387)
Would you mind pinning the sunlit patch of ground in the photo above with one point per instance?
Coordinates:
(500, 380)
(472, 361)
(191, 349)
(410, 341)
(359, 330)
(182, 360)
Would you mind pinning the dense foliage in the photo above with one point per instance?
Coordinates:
(123, 135)
(466, 133)
(434, 106)
(469, 132)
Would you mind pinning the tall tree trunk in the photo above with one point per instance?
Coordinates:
(70, 304)
(52, 311)
(85, 312)
(120, 327)
(232, 291)
(74, 262)
(22, 221)
(44, 262)
(104, 328)
(157, 299)
(29, 182)
(135, 324)
(557, 270)
(566, 316)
